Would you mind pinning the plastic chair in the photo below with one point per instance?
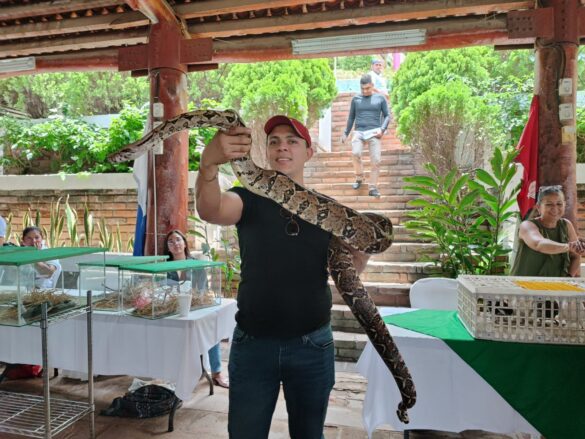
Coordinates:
(434, 293)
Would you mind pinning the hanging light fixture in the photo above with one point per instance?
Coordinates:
(17, 64)
(378, 40)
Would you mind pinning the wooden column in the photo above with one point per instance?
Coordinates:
(556, 58)
(168, 182)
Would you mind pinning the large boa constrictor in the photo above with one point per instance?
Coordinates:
(370, 233)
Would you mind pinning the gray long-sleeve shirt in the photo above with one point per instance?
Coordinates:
(368, 113)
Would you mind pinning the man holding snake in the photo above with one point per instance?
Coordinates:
(283, 333)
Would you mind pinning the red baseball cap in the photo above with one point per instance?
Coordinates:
(298, 127)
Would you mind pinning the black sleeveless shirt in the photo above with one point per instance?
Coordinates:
(283, 290)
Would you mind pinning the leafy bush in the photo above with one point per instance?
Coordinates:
(67, 143)
(421, 71)
(581, 135)
(465, 215)
(125, 129)
(73, 145)
(300, 88)
(449, 126)
(360, 63)
(73, 94)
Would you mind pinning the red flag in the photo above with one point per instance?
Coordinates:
(528, 157)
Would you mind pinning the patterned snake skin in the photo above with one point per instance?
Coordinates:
(369, 232)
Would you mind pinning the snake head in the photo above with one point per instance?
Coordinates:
(233, 118)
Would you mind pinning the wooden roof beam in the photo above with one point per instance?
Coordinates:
(64, 44)
(218, 7)
(87, 60)
(159, 11)
(53, 7)
(155, 10)
(352, 17)
(125, 20)
(441, 34)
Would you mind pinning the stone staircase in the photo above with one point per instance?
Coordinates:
(388, 276)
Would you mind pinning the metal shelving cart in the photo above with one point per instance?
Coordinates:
(44, 416)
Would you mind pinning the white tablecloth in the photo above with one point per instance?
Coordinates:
(167, 348)
(451, 396)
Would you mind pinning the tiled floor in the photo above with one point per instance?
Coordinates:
(205, 416)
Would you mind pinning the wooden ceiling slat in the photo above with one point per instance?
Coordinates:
(449, 23)
(80, 61)
(65, 44)
(218, 7)
(125, 20)
(53, 7)
(261, 48)
(351, 17)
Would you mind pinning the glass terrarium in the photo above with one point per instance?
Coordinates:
(152, 290)
(28, 278)
(105, 279)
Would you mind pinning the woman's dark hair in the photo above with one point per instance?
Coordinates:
(166, 244)
(29, 229)
(543, 191)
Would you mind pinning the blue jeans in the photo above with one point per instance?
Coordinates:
(258, 365)
(215, 358)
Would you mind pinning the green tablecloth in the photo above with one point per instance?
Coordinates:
(544, 383)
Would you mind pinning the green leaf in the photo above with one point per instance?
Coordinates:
(421, 180)
(485, 177)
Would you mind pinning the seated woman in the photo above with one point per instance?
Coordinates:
(2, 230)
(549, 245)
(47, 273)
(177, 248)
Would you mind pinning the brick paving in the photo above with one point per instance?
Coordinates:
(205, 416)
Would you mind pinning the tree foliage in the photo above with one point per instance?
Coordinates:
(490, 93)
(360, 63)
(449, 126)
(302, 89)
(207, 87)
(421, 71)
(66, 143)
(73, 145)
(73, 94)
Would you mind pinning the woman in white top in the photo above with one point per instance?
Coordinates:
(47, 272)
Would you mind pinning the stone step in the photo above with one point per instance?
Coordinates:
(345, 165)
(347, 160)
(383, 201)
(397, 216)
(406, 252)
(342, 190)
(396, 272)
(402, 234)
(382, 293)
(342, 319)
(333, 182)
(404, 152)
(348, 345)
(348, 176)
